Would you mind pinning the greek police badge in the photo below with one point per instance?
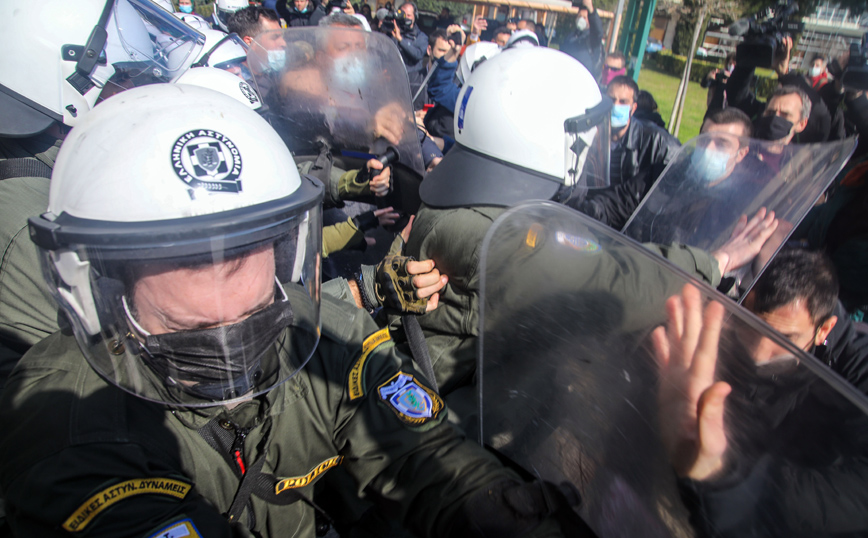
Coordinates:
(248, 92)
(208, 160)
(414, 403)
(582, 244)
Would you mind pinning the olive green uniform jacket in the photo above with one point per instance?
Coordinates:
(453, 239)
(80, 455)
(27, 312)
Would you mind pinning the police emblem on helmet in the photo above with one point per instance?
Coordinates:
(208, 160)
(248, 92)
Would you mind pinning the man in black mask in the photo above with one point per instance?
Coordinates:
(785, 115)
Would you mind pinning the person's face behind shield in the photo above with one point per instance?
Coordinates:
(793, 321)
(191, 304)
(716, 157)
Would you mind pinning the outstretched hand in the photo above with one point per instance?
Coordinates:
(691, 402)
(381, 180)
(746, 241)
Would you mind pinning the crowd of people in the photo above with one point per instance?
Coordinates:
(178, 359)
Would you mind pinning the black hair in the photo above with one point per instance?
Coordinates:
(617, 54)
(798, 274)
(502, 30)
(729, 116)
(624, 80)
(645, 101)
(413, 4)
(439, 33)
(530, 24)
(246, 22)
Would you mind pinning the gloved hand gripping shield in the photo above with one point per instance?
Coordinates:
(575, 385)
(342, 86)
(195, 281)
(717, 178)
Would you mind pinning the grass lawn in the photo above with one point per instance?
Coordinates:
(663, 88)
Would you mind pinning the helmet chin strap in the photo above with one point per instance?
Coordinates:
(90, 56)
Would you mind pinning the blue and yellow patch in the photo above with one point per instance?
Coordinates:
(181, 529)
(414, 403)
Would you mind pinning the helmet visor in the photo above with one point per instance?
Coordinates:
(145, 38)
(198, 323)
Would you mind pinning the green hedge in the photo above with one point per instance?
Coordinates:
(672, 64)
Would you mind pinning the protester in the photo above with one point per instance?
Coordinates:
(412, 43)
(754, 478)
(646, 109)
(615, 65)
(585, 43)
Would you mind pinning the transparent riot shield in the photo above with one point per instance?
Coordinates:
(340, 86)
(572, 390)
(716, 178)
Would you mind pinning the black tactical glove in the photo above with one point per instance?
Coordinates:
(514, 509)
(366, 221)
(395, 288)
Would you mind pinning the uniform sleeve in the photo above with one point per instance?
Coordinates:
(109, 490)
(398, 445)
(341, 236)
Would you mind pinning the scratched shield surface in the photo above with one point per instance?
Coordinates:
(569, 385)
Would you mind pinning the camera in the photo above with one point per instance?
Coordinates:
(764, 34)
(396, 17)
(856, 74)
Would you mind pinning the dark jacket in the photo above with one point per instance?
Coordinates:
(295, 19)
(413, 47)
(647, 151)
(800, 465)
(587, 46)
(92, 449)
(739, 95)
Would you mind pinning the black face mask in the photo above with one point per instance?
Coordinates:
(772, 128)
(188, 356)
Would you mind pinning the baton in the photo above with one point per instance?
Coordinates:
(424, 82)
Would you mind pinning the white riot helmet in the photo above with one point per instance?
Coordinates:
(183, 246)
(224, 8)
(530, 124)
(197, 22)
(224, 51)
(224, 82)
(522, 38)
(473, 56)
(62, 55)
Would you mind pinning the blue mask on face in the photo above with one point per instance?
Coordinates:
(620, 115)
(186, 9)
(709, 164)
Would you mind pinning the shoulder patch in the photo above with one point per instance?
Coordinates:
(180, 529)
(357, 377)
(111, 495)
(301, 481)
(414, 403)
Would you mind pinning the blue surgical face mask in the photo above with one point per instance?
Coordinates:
(276, 59)
(186, 9)
(620, 115)
(709, 164)
(349, 72)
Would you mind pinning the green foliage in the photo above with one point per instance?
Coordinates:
(673, 65)
(457, 9)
